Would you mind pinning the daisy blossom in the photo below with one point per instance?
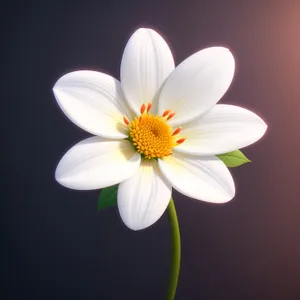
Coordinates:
(158, 127)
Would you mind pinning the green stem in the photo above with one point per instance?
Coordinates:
(175, 248)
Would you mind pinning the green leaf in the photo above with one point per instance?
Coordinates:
(108, 197)
(234, 159)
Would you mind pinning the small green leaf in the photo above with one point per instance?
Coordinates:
(234, 159)
(108, 197)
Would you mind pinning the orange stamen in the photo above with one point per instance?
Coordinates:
(126, 121)
(180, 141)
(166, 113)
(149, 106)
(176, 131)
(171, 115)
(143, 107)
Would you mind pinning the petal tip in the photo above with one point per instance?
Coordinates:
(230, 196)
(55, 91)
(58, 176)
(263, 127)
(144, 30)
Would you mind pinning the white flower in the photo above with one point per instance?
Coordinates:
(158, 128)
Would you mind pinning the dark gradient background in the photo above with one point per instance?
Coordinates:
(56, 245)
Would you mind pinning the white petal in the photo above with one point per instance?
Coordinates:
(197, 84)
(146, 63)
(143, 198)
(93, 101)
(202, 178)
(222, 129)
(96, 163)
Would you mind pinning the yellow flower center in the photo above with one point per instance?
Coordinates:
(151, 135)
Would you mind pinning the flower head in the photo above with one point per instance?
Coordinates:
(158, 127)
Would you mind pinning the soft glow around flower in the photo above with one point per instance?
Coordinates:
(156, 129)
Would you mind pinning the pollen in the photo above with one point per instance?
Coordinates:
(151, 135)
